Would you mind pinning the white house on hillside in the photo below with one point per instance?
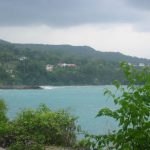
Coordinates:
(22, 58)
(49, 68)
(141, 64)
(67, 65)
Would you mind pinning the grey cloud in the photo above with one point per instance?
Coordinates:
(143, 9)
(64, 13)
(140, 4)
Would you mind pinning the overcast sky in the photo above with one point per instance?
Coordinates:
(106, 25)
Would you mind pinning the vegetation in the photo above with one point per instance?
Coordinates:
(35, 129)
(132, 114)
(24, 64)
(3, 110)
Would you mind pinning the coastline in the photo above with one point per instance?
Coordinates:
(20, 87)
(42, 86)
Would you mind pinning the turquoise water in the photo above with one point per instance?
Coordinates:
(82, 101)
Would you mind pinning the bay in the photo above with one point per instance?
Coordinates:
(81, 101)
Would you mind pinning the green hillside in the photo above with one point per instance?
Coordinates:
(25, 64)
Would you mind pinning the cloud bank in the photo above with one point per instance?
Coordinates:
(66, 13)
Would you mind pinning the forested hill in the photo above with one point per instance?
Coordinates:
(37, 64)
(82, 52)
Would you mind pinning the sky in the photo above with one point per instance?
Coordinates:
(106, 25)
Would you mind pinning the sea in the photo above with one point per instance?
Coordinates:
(83, 102)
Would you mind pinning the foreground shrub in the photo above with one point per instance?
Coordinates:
(5, 127)
(132, 113)
(33, 129)
(6, 134)
(3, 110)
(45, 127)
(26, 146)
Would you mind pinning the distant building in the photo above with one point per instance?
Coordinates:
(22, 58)
(13, 76)
(67, 65)
(129, 64)
(141, 64)
(71, 65)
(62, 64)
(10, 71)
(49, 68)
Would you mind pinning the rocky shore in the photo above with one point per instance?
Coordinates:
(19, 87)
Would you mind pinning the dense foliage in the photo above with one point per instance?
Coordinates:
(24, 64)
(132, 114)
(33, 129)
(3, 110)
(5, 127)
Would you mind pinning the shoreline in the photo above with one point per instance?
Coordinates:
(19, 87)
(23, 87)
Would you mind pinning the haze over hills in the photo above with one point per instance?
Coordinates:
(79, 51)
(25, 64)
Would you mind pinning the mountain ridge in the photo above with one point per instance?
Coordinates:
(68, 46)
(81, 49)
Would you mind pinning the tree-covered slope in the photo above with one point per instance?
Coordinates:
(25, 64)
(81, 52)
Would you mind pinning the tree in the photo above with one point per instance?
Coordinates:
(5, 127)
(3, 110)
(132, 113)
(35, 129)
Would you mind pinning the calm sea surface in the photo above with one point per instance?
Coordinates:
(82, 101)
